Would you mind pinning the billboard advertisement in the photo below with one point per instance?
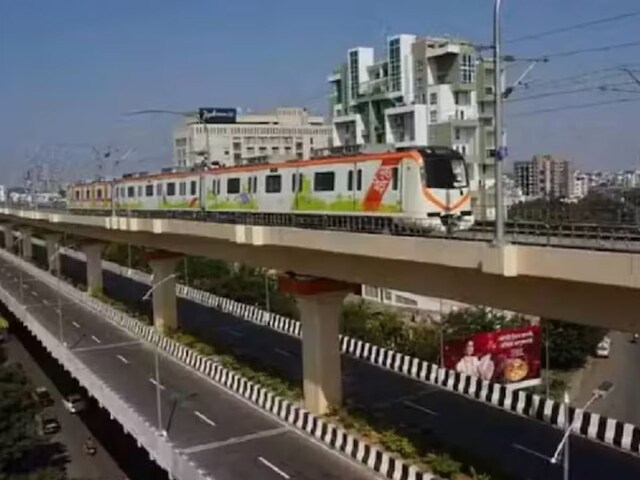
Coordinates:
(510, 356)
(217, 115)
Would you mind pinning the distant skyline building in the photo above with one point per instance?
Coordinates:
(230, 138)
(424, 91)
(544, 176)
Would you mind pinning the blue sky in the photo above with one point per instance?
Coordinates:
(70, 69)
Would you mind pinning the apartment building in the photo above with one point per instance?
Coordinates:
(223, 135)
(423, 91)
(545, 176)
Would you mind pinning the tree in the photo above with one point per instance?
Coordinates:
(466, 322)
(18, 409)
(570, 344)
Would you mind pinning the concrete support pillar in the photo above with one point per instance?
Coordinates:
(52, 244)
(163, 289)
(8, 237)
(26, 247)
(320, 303)
(93, 253)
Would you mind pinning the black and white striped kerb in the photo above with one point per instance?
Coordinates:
(382, 462)
(592, 425)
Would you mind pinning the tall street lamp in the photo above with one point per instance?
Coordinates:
(500, 150)
(146, 296)
(563, 447)
(52, 258)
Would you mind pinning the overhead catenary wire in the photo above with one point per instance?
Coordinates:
(602, 87)
(577, 26)
(605, 48)
(578, 106)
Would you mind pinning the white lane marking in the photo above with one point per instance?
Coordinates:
(156, 383)
(420, 407)
(204, 418)
(46, 302)
(75, 324)
(273, 467)
(234, 333)
(95, 339)
(34, 293)
(532, 452)
(283, 352)
(122, 359)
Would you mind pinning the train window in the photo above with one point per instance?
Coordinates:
(250, 185)
(273, 184)
(359, 180)
(158, 189)
(394, 182)
(140, 191)
(324, 181)
(183, 188)
(149, 190)
(77, 194)
(87, 194)
(171, 189)
(300, 181)
(293, 182)
(350, 180)
(99, 194)
(233, 185)
(131, 192)
(255, 184)
(194, 187)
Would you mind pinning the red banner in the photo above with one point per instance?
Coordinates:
(506, 356)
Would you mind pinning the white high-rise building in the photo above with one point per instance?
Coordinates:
(424, 91)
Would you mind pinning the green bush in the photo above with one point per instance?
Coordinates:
(442, 464)
(399, 444)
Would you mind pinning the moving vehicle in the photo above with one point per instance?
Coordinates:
(604, 348)
(635, 338)
(43, 397)
(48, 423)
(90, 447)
(74, 403)
(424, 187)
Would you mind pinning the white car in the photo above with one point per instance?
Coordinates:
(604, 348)
(74, 403)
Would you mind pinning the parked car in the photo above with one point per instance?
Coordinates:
(74, 403)
(43, 397)
(604, 348)
(48, 423)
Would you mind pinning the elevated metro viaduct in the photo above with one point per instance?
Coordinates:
(578, 285)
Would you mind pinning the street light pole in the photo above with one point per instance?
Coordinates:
(563, 447)
(156, 355)
(267, 298)
(500, 151)
(59, 299)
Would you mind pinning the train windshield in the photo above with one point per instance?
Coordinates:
(445, 171)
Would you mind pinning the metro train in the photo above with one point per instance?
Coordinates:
(426, 187)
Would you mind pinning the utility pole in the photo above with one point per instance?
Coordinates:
(500, 151)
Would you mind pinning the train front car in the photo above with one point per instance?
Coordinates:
(445, 189)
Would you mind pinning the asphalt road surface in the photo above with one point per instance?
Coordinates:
(73, 432)
(492, 438)
(222, 434)
(621, 368)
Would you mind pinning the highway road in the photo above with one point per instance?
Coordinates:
(515, 446)
(73, 432)
(222, 434)
(621, 368)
